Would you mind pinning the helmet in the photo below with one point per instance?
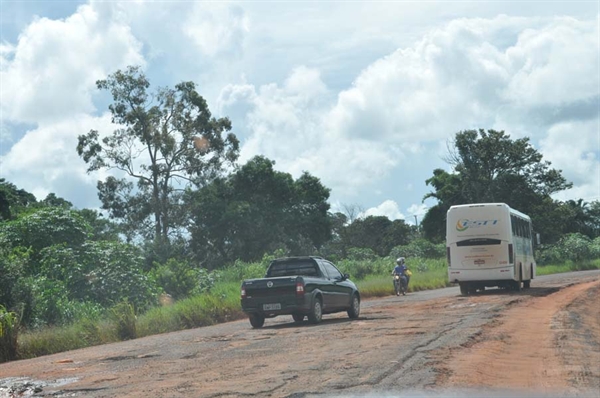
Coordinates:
(400, 260)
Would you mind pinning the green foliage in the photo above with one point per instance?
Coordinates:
(42, 228)
(177, 278)
(9, 329)
(50, 302)
(359, 269)
(206, 280)
(123, 317)
(419, 248)
(377, 233)
(361, 254)
(13, 200)
(13, 263)
(258, 210)
(241, 270)
(42, 302)
(571, 247)
(165, 125)
(103, 272)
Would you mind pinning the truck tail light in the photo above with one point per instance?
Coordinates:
(243, 292)
(299, 288)
(511, 254)
(448, 255)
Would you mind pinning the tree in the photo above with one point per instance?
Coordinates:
(52, 200)
(13, 200)
(377, 233)
(593, 218)
(491, 167)
(165, 141)
(258, 210)
(46, 226)
(490, 163)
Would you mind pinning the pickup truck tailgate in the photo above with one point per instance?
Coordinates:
(272, 294)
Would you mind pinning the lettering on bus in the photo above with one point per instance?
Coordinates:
(464, 224)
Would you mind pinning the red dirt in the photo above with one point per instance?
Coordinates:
(535, 347)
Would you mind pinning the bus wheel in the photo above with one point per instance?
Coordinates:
(526, 284)
(516, 285)
(464, 289)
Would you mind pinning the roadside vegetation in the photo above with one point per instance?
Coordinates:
(180, 228)
(219, 301)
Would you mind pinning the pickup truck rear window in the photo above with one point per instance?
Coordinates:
(292, 269)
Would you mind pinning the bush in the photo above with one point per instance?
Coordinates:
(359, 269)
(361, 254)
(123, 316)
(571, 247)
(241, 270)
(420, 248)
(176, 278)
(103, 272)
(9, 327)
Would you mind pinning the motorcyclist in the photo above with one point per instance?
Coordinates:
(400, 267)
(402, 270)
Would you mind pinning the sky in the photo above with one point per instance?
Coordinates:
(365, 96)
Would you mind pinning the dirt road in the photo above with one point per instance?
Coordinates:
(544, 340)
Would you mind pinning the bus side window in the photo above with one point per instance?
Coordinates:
(513, 224)
(520, 227)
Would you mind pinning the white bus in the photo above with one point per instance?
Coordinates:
(489, 244)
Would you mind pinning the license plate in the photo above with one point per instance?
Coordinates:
(271, 307)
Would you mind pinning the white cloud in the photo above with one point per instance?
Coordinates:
(473, 73)
(417, 209)
(285, 124)
(574, 148)
(216, 28)
(50, 73)
(389, 209)
(467, 74)
(45, 160)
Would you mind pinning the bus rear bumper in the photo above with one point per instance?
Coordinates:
(481, 275)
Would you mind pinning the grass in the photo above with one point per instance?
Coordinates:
(568, 266)
(222, 304)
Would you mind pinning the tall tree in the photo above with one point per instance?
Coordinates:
(489, 166)
(165, 141)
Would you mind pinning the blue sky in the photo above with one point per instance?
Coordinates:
(364, 95)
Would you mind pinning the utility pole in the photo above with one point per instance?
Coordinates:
(417, 225)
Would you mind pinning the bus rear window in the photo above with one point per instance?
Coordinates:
(478, 242)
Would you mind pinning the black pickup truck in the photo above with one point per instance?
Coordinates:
(301, 287)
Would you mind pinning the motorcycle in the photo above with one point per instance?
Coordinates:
(400, 284)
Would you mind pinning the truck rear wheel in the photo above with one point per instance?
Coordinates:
(316, 312)
(256, 320)
(464, 289)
